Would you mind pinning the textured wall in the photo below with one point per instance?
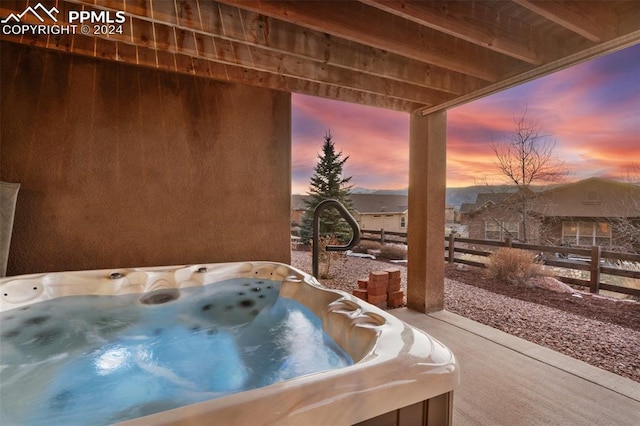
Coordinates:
(126, 166)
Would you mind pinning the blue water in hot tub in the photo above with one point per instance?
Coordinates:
(94, 360)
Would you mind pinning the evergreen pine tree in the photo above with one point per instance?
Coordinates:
(327, 183)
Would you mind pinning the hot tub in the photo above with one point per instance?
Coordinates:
(400, 375)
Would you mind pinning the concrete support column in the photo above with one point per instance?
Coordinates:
(427, 186)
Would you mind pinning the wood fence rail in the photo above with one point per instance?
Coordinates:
(594, 260)
(383, 236)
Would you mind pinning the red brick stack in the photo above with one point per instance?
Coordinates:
(361, 291)
(381, 289)
(377, 288)
(395, 295)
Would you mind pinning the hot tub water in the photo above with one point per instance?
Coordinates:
(103, 359)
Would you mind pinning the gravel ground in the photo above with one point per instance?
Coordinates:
(605, 345)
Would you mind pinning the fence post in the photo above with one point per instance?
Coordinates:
(507, 242)
(595, 270)
(382, 236)
(452, 247)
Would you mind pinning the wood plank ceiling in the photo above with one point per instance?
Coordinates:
(399, 55)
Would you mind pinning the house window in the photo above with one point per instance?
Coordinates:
(603, 234)
(570, 233)
(492, 231)
(403, 222)
(511, 229)
(586, 233)
(499, 230)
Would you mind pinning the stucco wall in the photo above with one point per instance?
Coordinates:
(125, 166)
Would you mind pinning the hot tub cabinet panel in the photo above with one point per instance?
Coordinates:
(431, 412)
(400, 375)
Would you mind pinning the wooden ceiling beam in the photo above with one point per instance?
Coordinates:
(230, 23)
(467, 21)
(250, 57)
(590, 19)
(125, 53)
(201, 45)
(269, 33)
(292, 85)
(367, 25)
(338, 49)
(318, 54)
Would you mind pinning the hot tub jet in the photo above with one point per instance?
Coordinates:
(159, 297)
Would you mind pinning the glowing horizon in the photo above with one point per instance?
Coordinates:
(591, 110)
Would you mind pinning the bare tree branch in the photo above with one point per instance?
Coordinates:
(525, 158)
(628, 228)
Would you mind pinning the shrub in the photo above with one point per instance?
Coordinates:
(365, 245)
(393, 251)
(514, 266)
(326, 258)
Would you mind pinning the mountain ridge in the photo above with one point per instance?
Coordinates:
(455, 196)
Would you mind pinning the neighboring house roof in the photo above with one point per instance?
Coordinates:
(297, 202)
(365, 203)
(380, 203)
(592, 197)
(467, 207)
(486, 200)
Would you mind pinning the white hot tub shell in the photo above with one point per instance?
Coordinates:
(400, 374)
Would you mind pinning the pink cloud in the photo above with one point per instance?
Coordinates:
(376, 141)
(592, 111)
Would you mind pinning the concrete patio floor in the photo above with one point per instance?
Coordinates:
(509, 381)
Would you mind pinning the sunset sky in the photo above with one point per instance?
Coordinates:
(591, 110)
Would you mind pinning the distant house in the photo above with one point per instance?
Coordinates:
(298, 207)
(449, 213)
(589, 212)
(372, 211)
(381, 211)
(465, 212)
(495, 216)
